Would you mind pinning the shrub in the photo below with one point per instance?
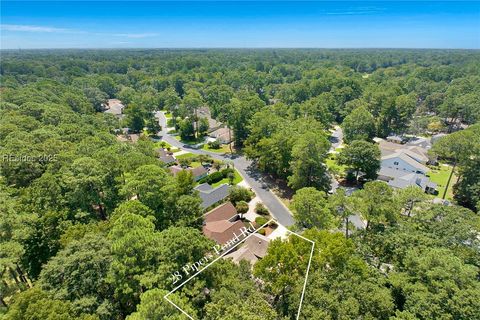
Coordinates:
(262, 231)
(260, 221)
(214, 177)
(242, 207)
(214, 144)
(238, 194)
(261, 209)
(203, 180)
(226, 171)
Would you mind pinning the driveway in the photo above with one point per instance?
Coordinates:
(336, 138)
(245, 167)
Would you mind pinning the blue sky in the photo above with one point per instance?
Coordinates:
(179, 24)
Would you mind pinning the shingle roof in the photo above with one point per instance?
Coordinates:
(417, 156)
(254, 248)
(407, 159)
(212, 196)
(204, 187)
(242, 254)
(225, 211)
(257, 244)
(412, 179)
(197, 172)
(114, 106)
(391, 173)
(222, 231)
(420, 142)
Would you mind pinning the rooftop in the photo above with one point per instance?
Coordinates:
(408, 160)
(210, 195)
(225, 211)
(222, 231)
(114, 106)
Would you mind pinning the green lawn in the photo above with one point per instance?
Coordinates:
(190, 142)
(195, 164)
(238, 178)
(168, 115)
(333, 165)
(223, 148)
(162, 144)
(186, 156)
(440, 175)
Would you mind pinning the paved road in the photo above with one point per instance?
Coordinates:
(254, 178)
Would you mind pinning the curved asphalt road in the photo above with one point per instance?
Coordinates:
(254, 178)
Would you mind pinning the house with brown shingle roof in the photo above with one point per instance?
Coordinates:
(223, 231)
(221, 224)
(226, 211)
(115, 107)
(198, 172)
(165, 156)
(222, 135)
(253, 249)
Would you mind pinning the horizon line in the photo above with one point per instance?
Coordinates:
(242, 48)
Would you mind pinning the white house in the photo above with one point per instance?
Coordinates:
(401, 161)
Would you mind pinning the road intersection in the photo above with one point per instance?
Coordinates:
(245, 167)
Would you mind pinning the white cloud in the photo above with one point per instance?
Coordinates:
(29, 28)
(136, 35)
(47, 29)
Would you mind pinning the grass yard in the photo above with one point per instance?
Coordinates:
(186, 156)
(195, 164)
(223, 148)
(190, 142)
(162, 144)
(237, 179)
(332, 164)
(168, 115)
(440, 175)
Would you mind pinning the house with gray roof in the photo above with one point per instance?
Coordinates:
(419, 142)
(210, 195)
(396, 139)
(403, 162)
(401, 179)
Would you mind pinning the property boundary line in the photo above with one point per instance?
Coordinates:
(230, 249)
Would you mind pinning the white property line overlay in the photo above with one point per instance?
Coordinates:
(198, 272)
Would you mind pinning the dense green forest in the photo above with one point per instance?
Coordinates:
(92, 228)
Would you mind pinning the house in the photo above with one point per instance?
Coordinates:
(415, 155)
(225, 211)
(115, 107)
(401, 179)
(223, 231)
(210, 195)
(204, 112)
(421, 142)
(197, 172)
(403, 162)
(124, 135)
(404, 165)
(254, 248)
(222, 135)
(396, 139)
(165, 156)
(417, 152)
(221, 224)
